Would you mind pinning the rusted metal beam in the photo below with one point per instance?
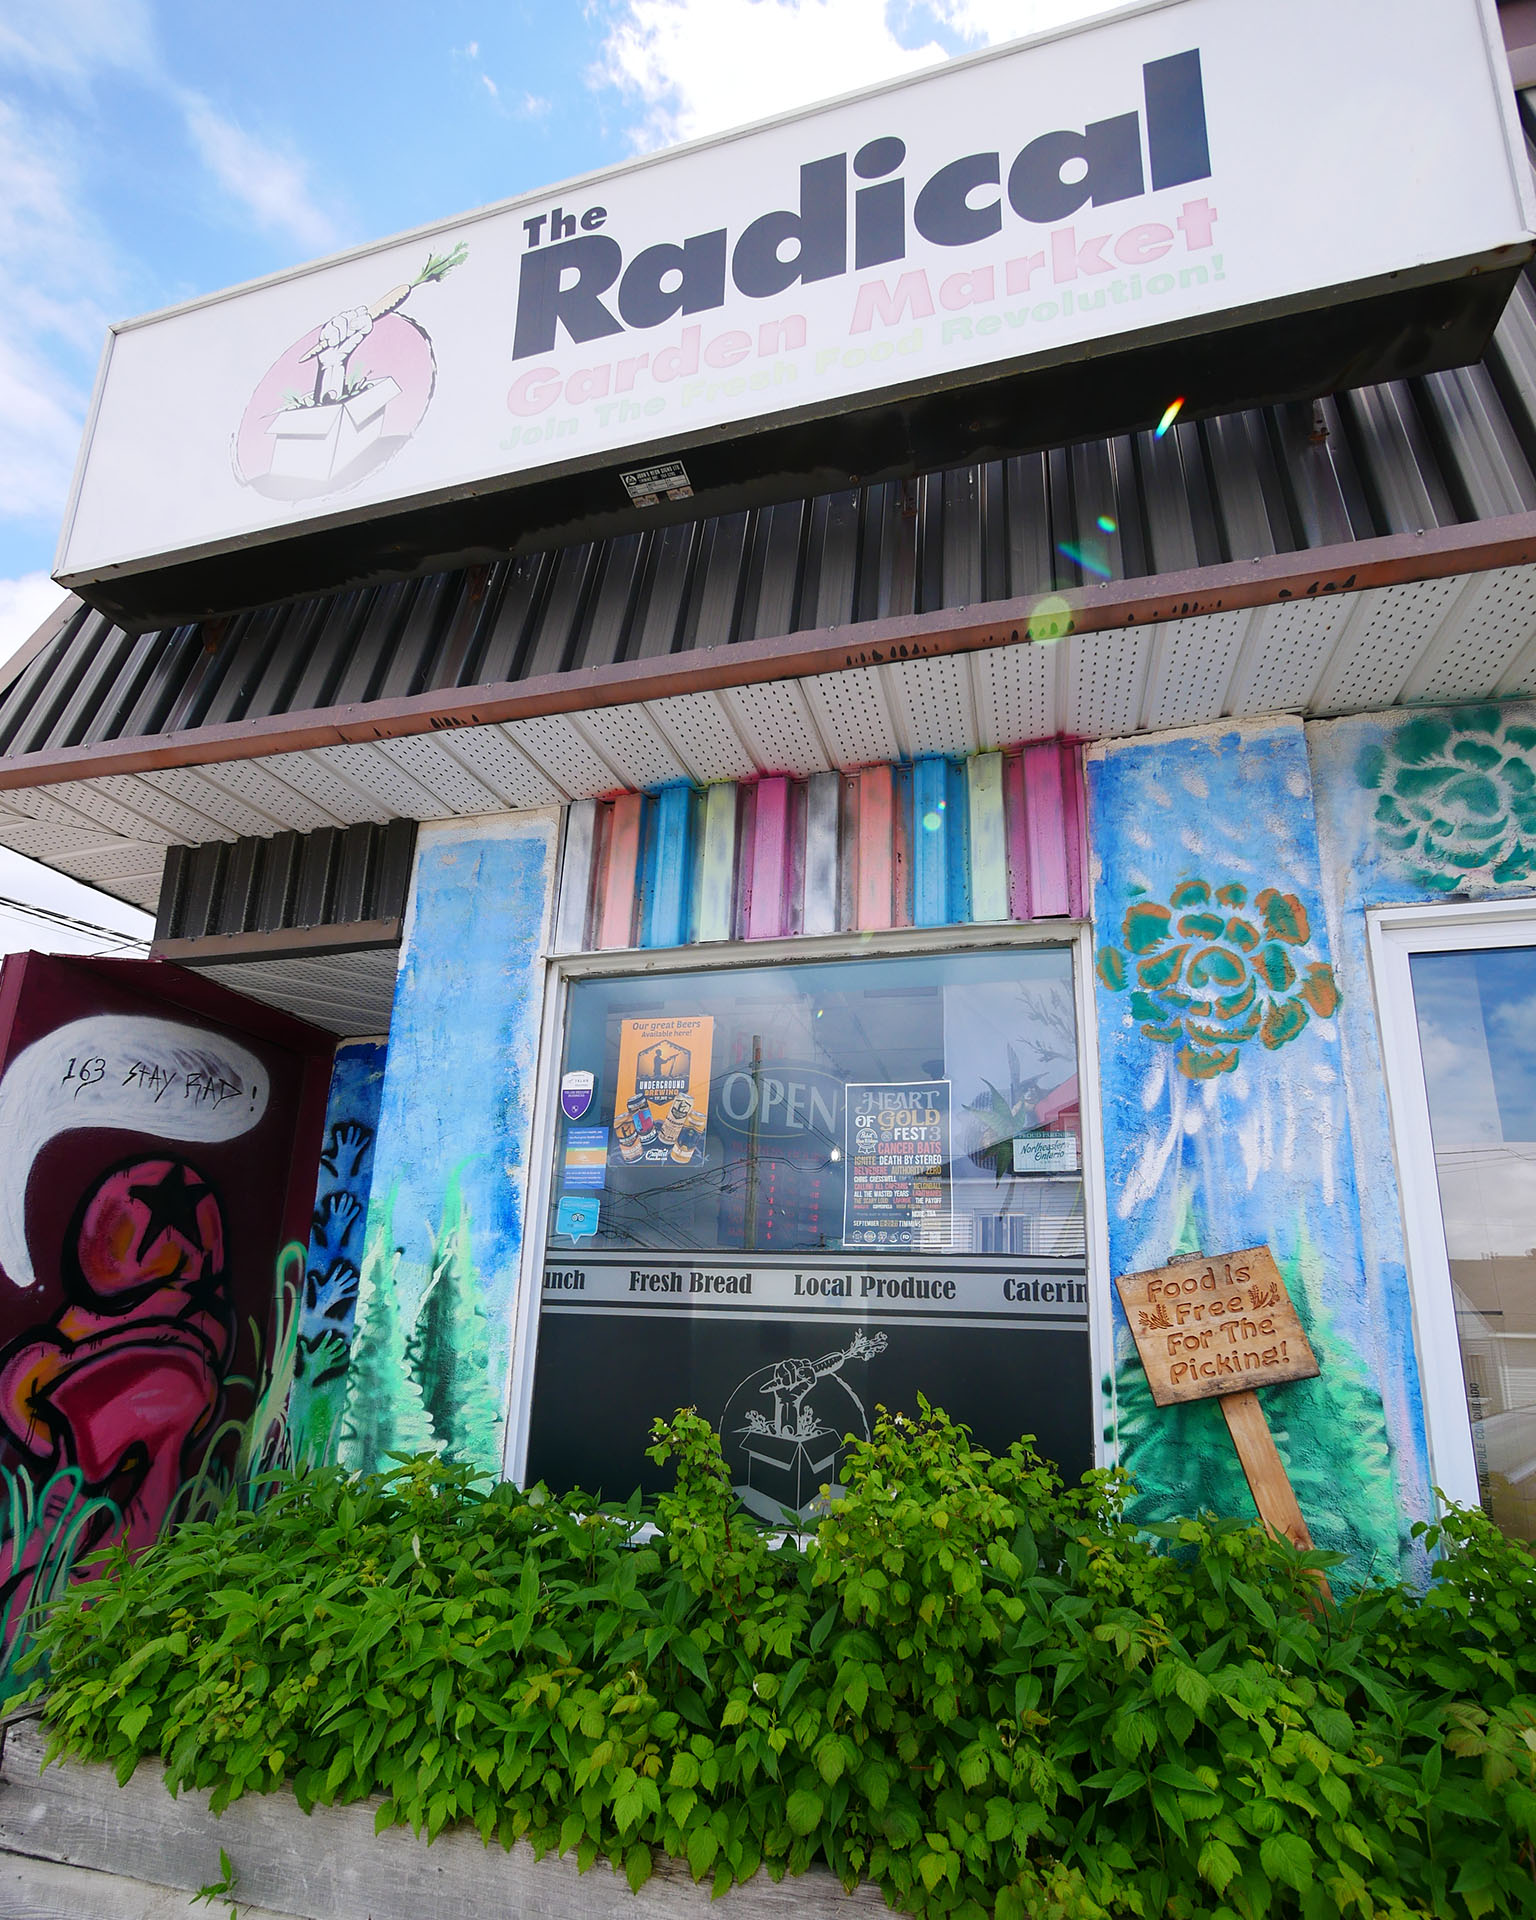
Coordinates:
(1396, 559)
(283, 943)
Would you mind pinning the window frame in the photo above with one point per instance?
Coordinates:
(1394, 936)
(896, 943)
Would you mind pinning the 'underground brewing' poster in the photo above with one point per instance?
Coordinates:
(661, 1104)
(898, 1166)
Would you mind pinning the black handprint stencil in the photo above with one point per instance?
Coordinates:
(345, 1149)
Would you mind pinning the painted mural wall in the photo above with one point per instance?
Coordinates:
(1243, 1097)
(1412, 808)
(438, 1273)
(1226, 1122)
(157, 1141)
(333, 1266)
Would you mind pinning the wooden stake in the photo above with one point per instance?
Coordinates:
(1264, 1470)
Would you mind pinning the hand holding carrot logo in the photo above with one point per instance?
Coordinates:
(344, 398)
(344, 332)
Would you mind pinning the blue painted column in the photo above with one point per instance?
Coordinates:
(1225, 1118)
(429, 1357)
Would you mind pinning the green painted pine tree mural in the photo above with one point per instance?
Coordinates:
(1331, 1433)
(450, 1350)
(384, 1412)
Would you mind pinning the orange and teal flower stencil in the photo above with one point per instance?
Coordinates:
(1208, 972)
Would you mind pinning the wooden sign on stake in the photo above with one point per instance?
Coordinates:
(1217, 1327)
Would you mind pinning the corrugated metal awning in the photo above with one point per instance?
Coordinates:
(1373, 548)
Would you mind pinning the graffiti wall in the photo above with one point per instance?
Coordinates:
(333, 1266)
(1221, 1011)
(157, 1140)
(431, 1341)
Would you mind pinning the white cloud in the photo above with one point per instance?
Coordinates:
(490, 86)
(40, 415)
(68, 40)
(985, 22)
(700, 66)
(56, 275)
(62, 277)
(271, 186)
(24, 605)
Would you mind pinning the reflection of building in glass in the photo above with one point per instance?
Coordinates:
(1496, 1321)
(1476, 1014)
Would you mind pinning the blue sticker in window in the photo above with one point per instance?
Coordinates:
(586, 1157)
(577, 1214)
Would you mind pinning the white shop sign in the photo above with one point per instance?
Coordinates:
(1168, 169)
(959, 1292)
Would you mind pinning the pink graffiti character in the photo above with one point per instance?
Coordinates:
(125, 1380)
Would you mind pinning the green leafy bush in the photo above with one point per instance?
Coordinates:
(987, 1692)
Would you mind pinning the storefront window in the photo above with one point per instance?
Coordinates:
(1477, 1033)
(786, 1194)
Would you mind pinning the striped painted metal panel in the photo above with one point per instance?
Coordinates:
(620, 879)
(767, 900)
(946, 841)
(667, 867)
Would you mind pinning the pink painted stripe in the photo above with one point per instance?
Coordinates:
(768, 905)
(1045, 821)
(1077, 837)
(616, 917)
(873, 839)
(1017, 837)
(901, 861)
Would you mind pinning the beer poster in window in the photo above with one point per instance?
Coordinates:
(897, 1193)
(661, 1105)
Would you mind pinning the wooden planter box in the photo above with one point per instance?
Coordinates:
(76, 1846)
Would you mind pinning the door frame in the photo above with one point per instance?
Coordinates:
(1395, 935)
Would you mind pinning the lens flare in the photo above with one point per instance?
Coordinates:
(1170, 414)
(1050, 618)
(1084, 556)
(1106, 525)
(932, 822)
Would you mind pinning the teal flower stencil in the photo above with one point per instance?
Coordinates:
(1457, 797)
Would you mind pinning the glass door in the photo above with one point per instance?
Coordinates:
(1476, 1015)
(1464, 1109)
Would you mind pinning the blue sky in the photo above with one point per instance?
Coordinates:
(153, 150)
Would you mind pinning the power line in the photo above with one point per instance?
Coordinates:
(71, 924)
